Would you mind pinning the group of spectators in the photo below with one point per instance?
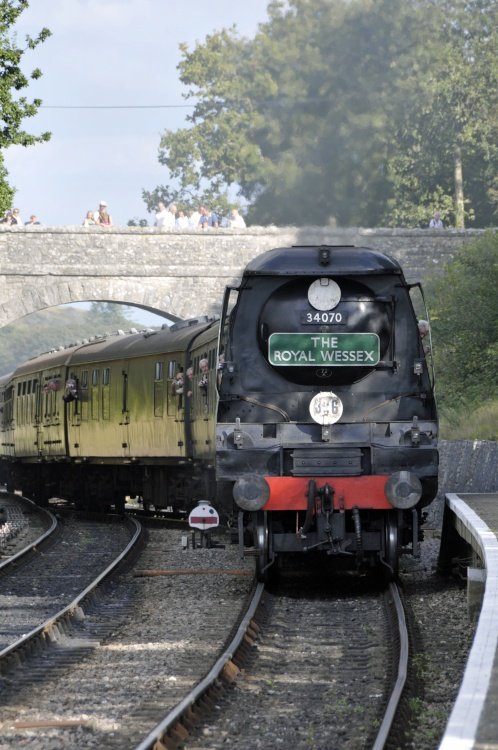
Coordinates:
(13, 217)
(169, 218)
(100, 218)
(204, 218)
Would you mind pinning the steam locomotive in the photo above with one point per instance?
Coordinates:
(306, 413)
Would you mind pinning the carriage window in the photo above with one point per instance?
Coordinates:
(24, 385)
(106, 394)
(171, 369)
(19, 389)
(94, 394)
(159, 389)
(84, 379)
(29, 387)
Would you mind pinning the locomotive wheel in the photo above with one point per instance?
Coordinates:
(391, 548)
(262, 538)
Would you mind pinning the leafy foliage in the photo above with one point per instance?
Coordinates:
(136, 222)
(464, 311)
(14, 107)
(344, 112)
(450, 115)
(55, 327)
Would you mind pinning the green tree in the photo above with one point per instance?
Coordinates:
(447, 137)
(59, 326)
(345, 111)
(290, 117)
(14, 107)
(464, 311)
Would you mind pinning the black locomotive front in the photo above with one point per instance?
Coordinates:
(327, 427)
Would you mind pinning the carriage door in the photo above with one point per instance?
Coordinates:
(38, 416)
(53, 425)
(73, 395)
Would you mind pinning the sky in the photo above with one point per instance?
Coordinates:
(113, 53)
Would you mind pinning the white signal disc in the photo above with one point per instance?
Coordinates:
(326, 408)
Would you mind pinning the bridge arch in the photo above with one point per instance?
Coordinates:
(178, 273)
(33, 299)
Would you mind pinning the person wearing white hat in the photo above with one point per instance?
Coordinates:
(102, 217)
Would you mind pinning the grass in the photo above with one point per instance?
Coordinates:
(467, 422)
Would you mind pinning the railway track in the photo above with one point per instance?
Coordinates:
(23, 526)
(52, 581)
(146, 637)
(313, 669)
(161, 660)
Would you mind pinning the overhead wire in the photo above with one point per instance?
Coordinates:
(115, 106)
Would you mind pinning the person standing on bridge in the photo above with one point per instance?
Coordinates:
(161, 215)
(436, 221)
(32, 220)
(89, 220)
(102, 217)
(16, 217)
(208, 218)
(236, 221)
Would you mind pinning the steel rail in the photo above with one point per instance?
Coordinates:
(399, 685)
(175, 715)
(29, 547)
(75, 606)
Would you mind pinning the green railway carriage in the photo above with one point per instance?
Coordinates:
(108, 418)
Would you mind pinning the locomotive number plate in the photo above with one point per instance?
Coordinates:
(322, 318)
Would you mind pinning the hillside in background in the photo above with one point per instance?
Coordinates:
(61, 326)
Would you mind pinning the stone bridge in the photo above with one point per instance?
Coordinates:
(179, 274)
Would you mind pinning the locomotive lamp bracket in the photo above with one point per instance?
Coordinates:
(326, 433)
(418, 367)
(324, 255)
(415, 431)
(238, 438)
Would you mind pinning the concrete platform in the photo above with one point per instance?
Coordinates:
(472, 519)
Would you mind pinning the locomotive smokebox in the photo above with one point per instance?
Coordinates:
(251, 492)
